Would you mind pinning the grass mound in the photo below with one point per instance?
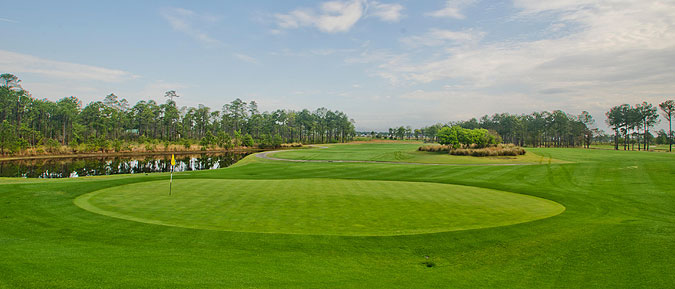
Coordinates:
(317, 206)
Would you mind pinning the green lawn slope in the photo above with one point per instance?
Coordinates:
(400, 152)
(617, 231)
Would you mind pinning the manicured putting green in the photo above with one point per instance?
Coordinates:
(317, 206)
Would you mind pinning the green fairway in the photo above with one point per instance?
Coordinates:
(617, 229)
(317, 206)
(401, 152)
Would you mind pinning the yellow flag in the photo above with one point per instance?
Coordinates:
(173, 160)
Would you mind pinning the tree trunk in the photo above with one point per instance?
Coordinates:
(646, 130)
(63, 142)
(670, 128)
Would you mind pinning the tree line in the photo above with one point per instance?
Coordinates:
(631, 125)
(547, 129)
(28, 122)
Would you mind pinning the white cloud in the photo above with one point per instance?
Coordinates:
(631, 42)
(437, 37)
(333, 17)
(536, 6)
(246, 58)
(452, 9)
(618, 52)
(337, 16)
(8, 20)
(386, 12)
(186, 21)
(18, 63)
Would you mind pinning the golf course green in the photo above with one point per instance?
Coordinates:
(317, 206)
(579, 218)
(403, 152)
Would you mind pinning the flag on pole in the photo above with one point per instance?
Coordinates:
(173, 163)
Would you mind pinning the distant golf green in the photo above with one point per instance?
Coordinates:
(401, 152)
(317, 206)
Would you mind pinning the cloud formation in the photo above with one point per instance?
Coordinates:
(338, 16)
(18, 63)
(246, 58)
(7, 20)
(594, 55)
(452, 9)
(444, 37)
(626, 45)
(386, 12)
(187, 22)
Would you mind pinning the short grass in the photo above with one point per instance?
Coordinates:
(317, 206)
(618, 231)
(653, 147)
(402, 152)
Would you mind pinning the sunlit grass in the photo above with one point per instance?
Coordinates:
(617, 231)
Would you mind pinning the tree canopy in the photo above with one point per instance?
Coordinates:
(28, 121)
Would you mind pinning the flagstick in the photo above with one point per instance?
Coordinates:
(171, 180)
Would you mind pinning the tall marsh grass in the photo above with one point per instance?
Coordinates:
(493, 151)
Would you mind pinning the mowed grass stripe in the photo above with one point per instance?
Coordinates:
(402, 152)
(318, 206)
(618, 231)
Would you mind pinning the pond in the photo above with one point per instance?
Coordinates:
(111, 165)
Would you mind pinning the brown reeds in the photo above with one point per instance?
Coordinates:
(493, 151)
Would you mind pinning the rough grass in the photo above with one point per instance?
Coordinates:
(500, 150)
(403, 152)
(291, 145)
(618, 231)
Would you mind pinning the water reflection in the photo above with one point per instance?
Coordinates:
(94, 166)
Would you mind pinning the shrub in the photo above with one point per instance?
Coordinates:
(291, 145)
(224, 140)
(475, 150)
(457, 136)
(117, 145)
(149, 147)
(247, 141)
(52, 145)
(73, 146)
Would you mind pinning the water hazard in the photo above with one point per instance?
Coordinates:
(111, 165)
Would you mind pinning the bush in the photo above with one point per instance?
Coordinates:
(117, 145)
(475, 150)
(52, 145)
(224, 140)
(73, 146)
(291, 145)
(457, 137)
(208, 140)
(247, 141)
(150, 147)
(270, 142)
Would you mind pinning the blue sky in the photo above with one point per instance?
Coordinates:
(384, 63)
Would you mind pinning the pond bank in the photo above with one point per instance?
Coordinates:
(79, 166)
(126, 154)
